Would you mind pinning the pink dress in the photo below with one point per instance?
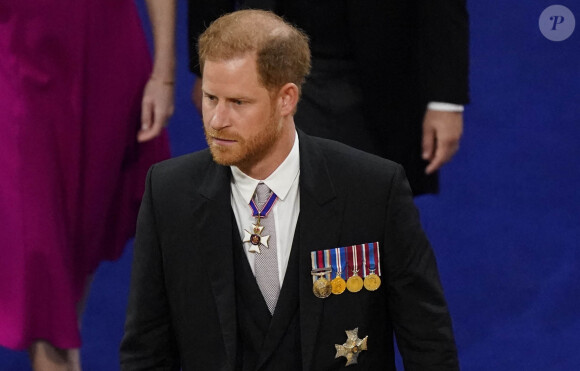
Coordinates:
(72, 74)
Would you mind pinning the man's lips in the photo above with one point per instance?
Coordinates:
(223, 141)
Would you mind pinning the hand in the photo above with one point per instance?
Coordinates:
(156, 108)
(441, 133)
(196, 94)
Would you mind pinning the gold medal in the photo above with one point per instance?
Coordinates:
(322, 288)
(338, 285)
(354, 283)
(372, 281)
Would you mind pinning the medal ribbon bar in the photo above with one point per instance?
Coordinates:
(324, 262)
(353, 254)
(338, 261)
(362, 258)
(371, 258)
(374, 263)
(321, 265)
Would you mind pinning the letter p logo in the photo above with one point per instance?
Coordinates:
(557, 23)
(558, 19)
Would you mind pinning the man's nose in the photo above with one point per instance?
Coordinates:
(220, 116)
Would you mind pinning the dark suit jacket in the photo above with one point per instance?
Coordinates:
(376, 65)
(182, 310)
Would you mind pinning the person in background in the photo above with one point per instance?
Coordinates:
(273, 249)
(389, 77)
(83, 116)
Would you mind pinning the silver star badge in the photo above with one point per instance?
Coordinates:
(352, 348)
(256, 239)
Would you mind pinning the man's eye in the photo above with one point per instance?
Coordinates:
(238, 102)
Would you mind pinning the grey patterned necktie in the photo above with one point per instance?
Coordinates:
(266, 262)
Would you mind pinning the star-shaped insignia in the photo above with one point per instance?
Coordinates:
(352, 348)
(255, 238)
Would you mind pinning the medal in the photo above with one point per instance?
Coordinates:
(352, 348)
(321, 270)
(354, 282)
(338, 259)
(338, 285)
(372, 281)
(344, 264)
(322, 288)
(254, 237)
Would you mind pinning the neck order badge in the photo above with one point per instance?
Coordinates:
(255, 237)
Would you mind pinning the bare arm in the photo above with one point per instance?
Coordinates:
(157, 106)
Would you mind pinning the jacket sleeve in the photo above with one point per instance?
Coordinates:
(443, 50)
(149, 341)
(416, 302)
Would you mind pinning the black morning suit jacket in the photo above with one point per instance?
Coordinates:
(182, 306)
(375, 66)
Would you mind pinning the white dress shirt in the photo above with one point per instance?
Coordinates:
(284, 183)
(447, 107)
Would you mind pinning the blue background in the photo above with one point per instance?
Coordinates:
(506, 226)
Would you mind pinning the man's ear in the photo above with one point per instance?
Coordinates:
(288, 99)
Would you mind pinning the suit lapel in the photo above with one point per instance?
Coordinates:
(320, 220)
(214, 225)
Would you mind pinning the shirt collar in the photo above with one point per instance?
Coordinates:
(280, 181)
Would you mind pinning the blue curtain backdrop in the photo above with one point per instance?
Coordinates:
(506, 227)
